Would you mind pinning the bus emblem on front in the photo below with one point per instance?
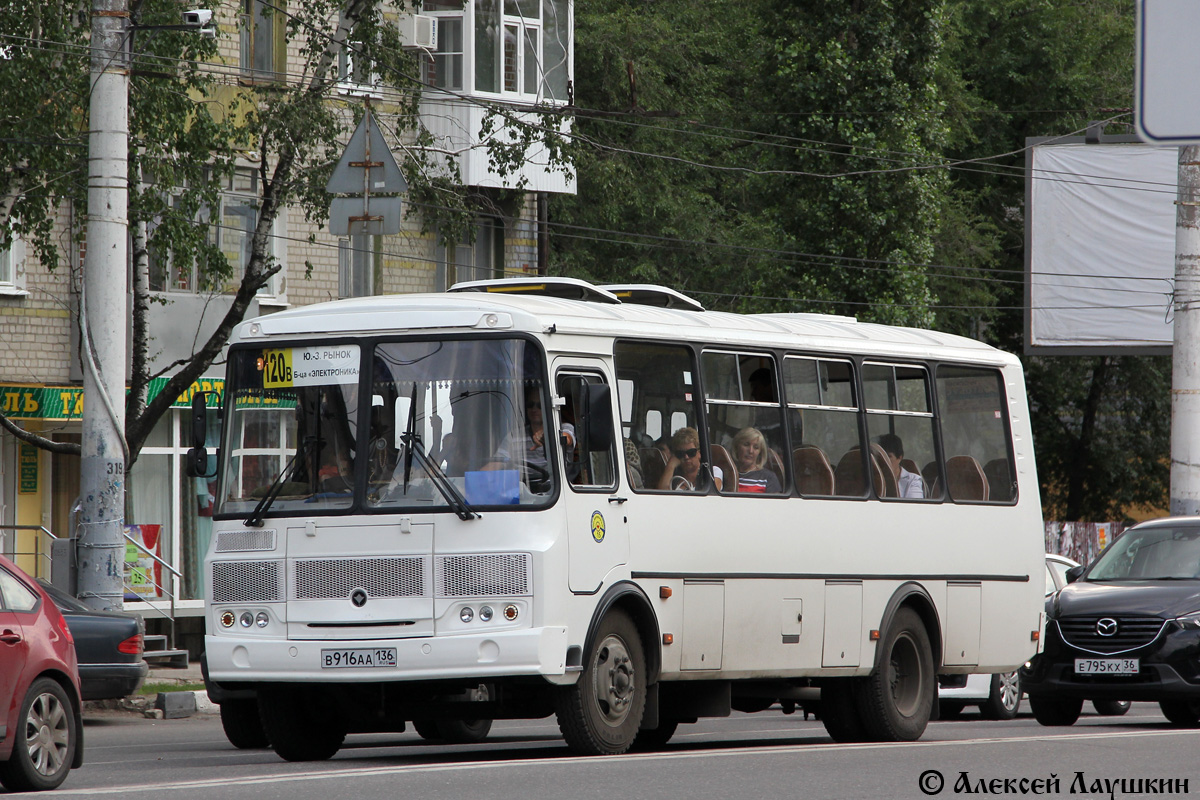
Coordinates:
(359, 597)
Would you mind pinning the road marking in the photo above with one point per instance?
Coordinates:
(360, 772)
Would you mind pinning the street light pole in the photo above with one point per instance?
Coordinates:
(103, 314)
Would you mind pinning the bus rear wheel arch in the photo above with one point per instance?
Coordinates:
(895, 701)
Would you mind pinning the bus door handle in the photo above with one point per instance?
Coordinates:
(617, 500)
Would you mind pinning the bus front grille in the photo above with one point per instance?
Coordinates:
(334, 578)
(483, 575)
(246, 581)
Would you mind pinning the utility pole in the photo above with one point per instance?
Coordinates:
(1185, 371)
(103, 314)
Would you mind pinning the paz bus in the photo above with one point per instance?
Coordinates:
(533, 497)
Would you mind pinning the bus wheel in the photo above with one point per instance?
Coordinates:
(655, 739)
(243, 725)
(897, 698)
(1053, 711)
(602, 712)
(300, 726)
(427, 729)
(839, 710)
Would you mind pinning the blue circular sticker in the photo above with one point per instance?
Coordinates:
(597, 526)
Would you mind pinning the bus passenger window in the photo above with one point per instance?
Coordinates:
(900, 424)
(661, 404)
(972, 409)
(827, 457)
(745, 421)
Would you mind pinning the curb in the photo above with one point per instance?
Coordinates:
(164, 705)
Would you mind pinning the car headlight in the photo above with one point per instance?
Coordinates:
(1189, 622)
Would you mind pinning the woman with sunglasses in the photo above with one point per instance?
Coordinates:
(684, 472)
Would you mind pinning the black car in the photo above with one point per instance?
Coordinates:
(108, 645)
(1126, 628)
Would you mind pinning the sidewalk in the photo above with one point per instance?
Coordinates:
(166, 704)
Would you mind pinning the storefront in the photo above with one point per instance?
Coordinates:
(167, 511)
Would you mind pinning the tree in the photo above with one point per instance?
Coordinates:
(187, 128)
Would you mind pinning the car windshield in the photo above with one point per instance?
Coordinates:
(64, 601)
(1147, 554)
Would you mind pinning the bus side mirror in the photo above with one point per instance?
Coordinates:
(597, 417)
(199, 417)
(195, 463)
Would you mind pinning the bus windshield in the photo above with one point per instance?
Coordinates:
(450, 425)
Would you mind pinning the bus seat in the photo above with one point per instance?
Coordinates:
(965, 479)
(848, 480)
(721, 459)
(775, 464)
(929, 474)
(653, 465)
(999, 478)
(814, 475)
(909, 465)
(881, 473)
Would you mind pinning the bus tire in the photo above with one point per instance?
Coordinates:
(602, 712)
(649, 740)
(427, 729)
(242, 724)
(897, 698)
(298, 725)
(839, 710)
(1055, 712)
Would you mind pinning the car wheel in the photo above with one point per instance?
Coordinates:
(1111, 708)
(1055, 712)
(242, 724)
(1184, 713)
(45, 740)
(1004, 700)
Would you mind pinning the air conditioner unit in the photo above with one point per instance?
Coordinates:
(418, 32)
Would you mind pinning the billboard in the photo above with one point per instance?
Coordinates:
(1099, 246)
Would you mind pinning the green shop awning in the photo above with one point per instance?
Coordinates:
(66, 402)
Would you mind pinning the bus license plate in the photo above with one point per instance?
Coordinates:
(1106, 666)
(365, 657)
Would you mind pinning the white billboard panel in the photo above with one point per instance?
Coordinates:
(1099, 247)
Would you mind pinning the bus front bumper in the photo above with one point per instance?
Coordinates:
(533, 651)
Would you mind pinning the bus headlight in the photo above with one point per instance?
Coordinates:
(246, 620)
(227, 619)
(510, 612)
(262, 619)
(485, 614)
(466, 615)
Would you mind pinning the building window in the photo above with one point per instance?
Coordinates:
(518, 49)
(12, 269)
(356, 77)
(480, 260)
(230, 230)
(263, 41)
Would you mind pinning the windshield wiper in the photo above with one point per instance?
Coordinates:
(413, 449)
(256, 516)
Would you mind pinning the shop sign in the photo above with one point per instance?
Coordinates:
(66, 402)
(28, 468)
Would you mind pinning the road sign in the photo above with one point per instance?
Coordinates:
(367, 165)
(369, 216)
(1166, 91)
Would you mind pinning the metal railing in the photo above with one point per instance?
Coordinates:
(168, 591)
(38, 552)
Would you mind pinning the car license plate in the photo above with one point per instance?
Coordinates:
(362, 657)
(1106, 666)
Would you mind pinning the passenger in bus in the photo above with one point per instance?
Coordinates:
(684, 472)
(750, 456)
(762, 390)
(530, 450)
(908, 484)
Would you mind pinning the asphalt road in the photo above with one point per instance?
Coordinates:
(768, 755)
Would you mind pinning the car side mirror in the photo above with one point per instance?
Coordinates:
(1074, 572)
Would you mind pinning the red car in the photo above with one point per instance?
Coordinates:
(41, 732)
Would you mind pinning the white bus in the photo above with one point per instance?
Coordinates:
(533, 497)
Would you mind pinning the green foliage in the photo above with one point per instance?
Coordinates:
(1102, 429)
